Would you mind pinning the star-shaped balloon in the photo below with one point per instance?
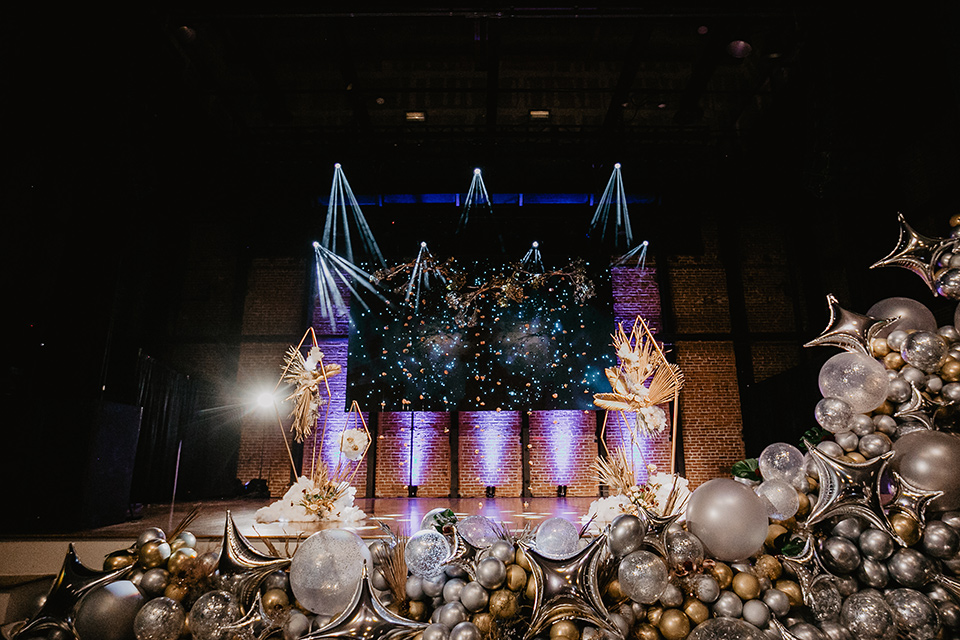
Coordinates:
(656, 536)
(242, 568)
(567, 589)
(73, 582)
(816, 582)
(914, 252)
(848, 330)
(463, 555)
(919, 407)
(366, 619)
(910, 500)
(257, 623)
(848, 489)
(782, 630)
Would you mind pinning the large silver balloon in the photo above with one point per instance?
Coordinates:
(855, 378)
(159, 619)
(474, 597)
(491, 572)
(916, 616)
(643, 576)
(928, 460)
(212, 613)
(924, 350)
(567, 589)
(107, 613)
(725, 629)
(72, 583)
(478, 531)
(907, 314)
(868, 616)
(326, 570)
(728, 518)
(848, 330)
(626, 534)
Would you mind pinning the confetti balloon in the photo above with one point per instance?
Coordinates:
(916, 615)
(159, 619)
(326, 570)
(729, 518)
(780, 461)
(211, 613)
(643, 576)
(684, 548)
(478, 531)
(910, 314)
(726, 629)
(868, 616)
(425, 553)
(924, 350)
(780, 499)
(833, 414)
(557, 538)
(857, 379)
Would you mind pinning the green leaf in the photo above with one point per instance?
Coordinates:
(748, 469)
(814, 435)
(445, 518)
(788, 546)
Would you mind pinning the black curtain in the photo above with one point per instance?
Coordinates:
(185, 413)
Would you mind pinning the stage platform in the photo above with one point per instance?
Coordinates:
(27, 557)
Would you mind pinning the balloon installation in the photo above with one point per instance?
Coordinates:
(853, 532)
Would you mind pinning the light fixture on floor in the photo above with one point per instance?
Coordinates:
(412, 491)
(561, 491)
(491, 492)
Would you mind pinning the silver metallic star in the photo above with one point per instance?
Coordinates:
(242, 568)
(910, 500)
(913, 252)
(656, 536)
(848, 330)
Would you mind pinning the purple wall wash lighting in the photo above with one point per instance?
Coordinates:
(563, 430)
(493, 433)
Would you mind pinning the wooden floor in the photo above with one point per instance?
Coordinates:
(400, 514)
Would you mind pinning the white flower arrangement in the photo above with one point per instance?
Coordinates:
(353, 443)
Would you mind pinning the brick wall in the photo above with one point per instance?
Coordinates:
(431, 453)
(563, 445)
(274, 302)
(490, 453)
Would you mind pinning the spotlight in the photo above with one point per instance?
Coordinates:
(336, 165)
(265, 399)
(616, 166)
(535, 244)
(423, 245)
(561, 491)
(412, 491)
(490, 492)
(476, 172)
(316, 245)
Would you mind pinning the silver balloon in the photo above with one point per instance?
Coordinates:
(643, 576)
(211, 614)
(433, 586)
(756, 613)
(108, 613)
(671, 597)
(947, 283)
(557, 538)
(728, 518)
(862, 425)
(940, 540)
(452, 614)
(478, 531)
(684, 549)
(849, 528)
(924, 350)
(868, 616)
(414, 586)
(875, 444)
(834, 630)
(806, 631)
(148, 534)
(873, 574)
(378, 579)
(436, 631)
(846, 585)
(503, 551)
(474, 597)
(839, 555)
(725, 629)
(916, 616)
(778, 601)
(834, 415)
(855, 378)
(830, 448)
(951, 518)
(949, 614)
(951, 392)
(908, 314)
(705, 588)
(728, 605)
(898, 390)
(452, 589)
(910, 568)
(491, 572)
(154, 581)
(295, 626)
(626, 534)
(426, 552)
(326, 570)
(824, 598)
(465, 631)
(885, 424)
(431, 518)
(159, 619)
(780, 461)
(928, 460)
(848, 440)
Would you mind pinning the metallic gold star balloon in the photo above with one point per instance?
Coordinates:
(848, 330)
(914, 252)
(73, 582)
(242, 568)
(848, 489)
(567, 589)
(366, 619)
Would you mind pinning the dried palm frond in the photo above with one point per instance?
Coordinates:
(327, 490)
(616, 471)
(393, 564)
(306, 397)
(185, 522)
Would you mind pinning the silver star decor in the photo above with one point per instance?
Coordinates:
(919, 407)
(567, 589)
(463, 555)
(242, 568)
(848, 489)
(656, 536)
(366, 619)
(815, 580)
(848, 330)
(782, 630)
(257, 623)
(910, 500)
(73, 582)
(914, 252)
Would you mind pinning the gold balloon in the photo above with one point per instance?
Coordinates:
(955, 220)
(516, 577)
(417, 611)
(906, 527)
(119, 560)
(769, 567)
(695, 610)
(178, 543)
(792, 589)
(746, 586)
(484, 622)
(522, 561)
(893, 360)
(774, 531)
(653, 615)
(723, 573)
(614, 591)
(856, 457)
(812, 484)
(154, 553)
(879, 347)
(275, 600)
(804, 507)
(176, 591)
(564, 629)
(503, 604)
(674, 625)
(950, 370)
(181, 560)
(531, 590)
(886, 408)
(647, 631)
